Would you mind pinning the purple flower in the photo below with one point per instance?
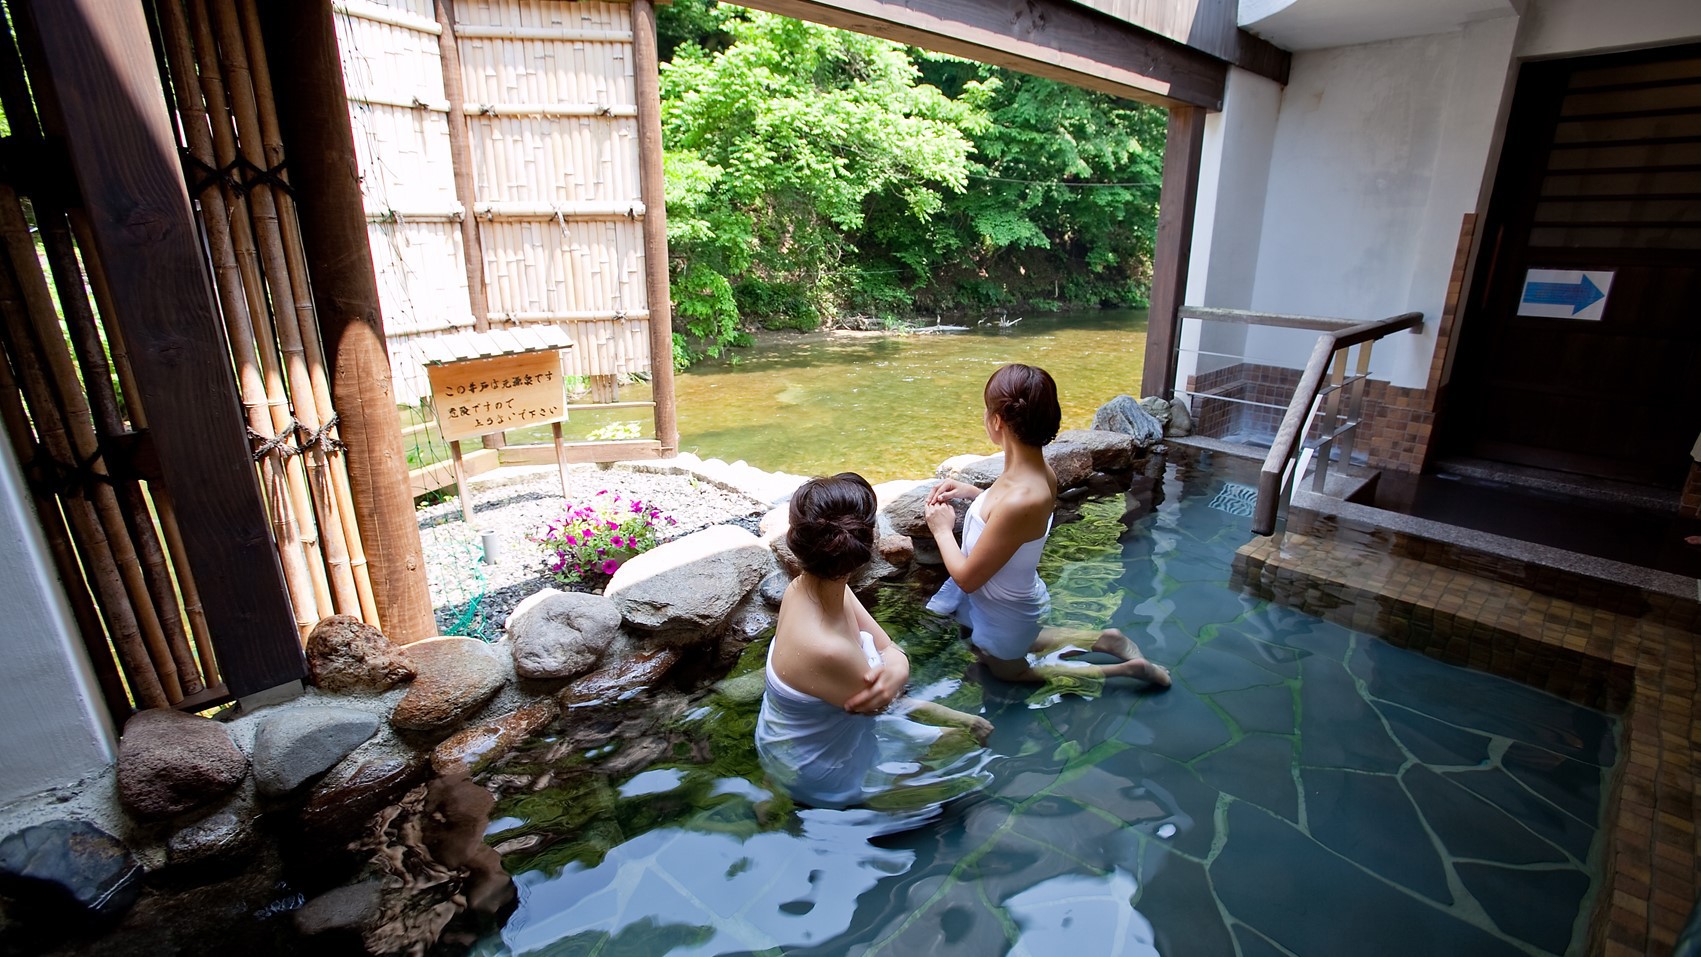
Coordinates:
(602, 551)
(609, 566)
(637, 507)
(603, 492)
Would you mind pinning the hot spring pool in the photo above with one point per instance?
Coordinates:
(1302, 789)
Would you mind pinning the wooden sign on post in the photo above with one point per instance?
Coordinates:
(492, 382)
(480, 396)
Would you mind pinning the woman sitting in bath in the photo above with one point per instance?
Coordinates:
(995, 590)
(832, 670)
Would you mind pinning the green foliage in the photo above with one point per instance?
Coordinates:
(813, 172)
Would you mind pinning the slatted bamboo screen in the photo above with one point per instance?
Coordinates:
(551, 115)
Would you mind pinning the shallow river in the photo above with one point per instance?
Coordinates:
(890, 406)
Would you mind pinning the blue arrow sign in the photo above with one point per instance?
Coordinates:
(1578, 295)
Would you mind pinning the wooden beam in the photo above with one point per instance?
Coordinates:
(313, 111)
(1209, 26)
(94, 56)
(1183, 143)
(1055, 39)
(646, 83)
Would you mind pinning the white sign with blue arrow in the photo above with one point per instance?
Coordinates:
(1565, 293)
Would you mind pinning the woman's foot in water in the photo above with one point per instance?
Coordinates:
(1149, 671)
(1133, 664)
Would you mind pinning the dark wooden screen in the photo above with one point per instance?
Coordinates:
(1601, 170)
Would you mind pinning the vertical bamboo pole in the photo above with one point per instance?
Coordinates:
(102, 401)
(263, 208)
(162, 501)
(153, 688)
(313, 116)
(339, 499)
(108, 422)
(236, 278)
(64, 553)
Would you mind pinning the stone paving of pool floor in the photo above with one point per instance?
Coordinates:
(1304, 788)
(1641, 665)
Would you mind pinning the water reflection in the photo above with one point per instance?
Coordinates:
(681, 891)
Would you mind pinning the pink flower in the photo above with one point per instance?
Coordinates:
(637, 507)
(571, 539)
(613, 525)
(609, 566)
(617, 542)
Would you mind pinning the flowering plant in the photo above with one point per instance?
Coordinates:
(594, 539)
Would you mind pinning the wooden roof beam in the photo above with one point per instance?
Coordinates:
(1055, 39)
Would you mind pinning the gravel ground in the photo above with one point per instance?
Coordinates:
(474, 598)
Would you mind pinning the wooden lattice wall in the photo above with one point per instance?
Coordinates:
(552, 125)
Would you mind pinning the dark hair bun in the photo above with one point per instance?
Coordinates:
(1025, 398)
(832, 525)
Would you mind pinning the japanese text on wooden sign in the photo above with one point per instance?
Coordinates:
(481, 396)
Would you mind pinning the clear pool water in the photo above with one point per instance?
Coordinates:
(1302, 789)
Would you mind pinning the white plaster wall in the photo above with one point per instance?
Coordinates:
(1234, 174)
(1379, 151)
(1569, 27)
(56, 730)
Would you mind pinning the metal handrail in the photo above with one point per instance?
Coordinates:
(1295, 422)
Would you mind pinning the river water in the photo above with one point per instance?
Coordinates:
(889, 406)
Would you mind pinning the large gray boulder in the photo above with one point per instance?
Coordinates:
(1072, 463)
(904, 504)
(72, 865)
(170, 762)
(1110, 451)
(296, 744)
(1180, 418)
(1124, 414)
(346, 654)
(980, 470)
(559, 634)
(681, 593)
(456, 677)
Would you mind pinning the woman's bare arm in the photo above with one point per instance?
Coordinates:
(1021, 517)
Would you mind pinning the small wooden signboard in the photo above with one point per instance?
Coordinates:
(486, 382)
(480, 396)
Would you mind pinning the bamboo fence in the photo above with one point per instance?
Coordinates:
(71, 410)
(549, 99)
(237, 173)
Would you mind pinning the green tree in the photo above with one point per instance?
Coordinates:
(780, 142)
(812, 171)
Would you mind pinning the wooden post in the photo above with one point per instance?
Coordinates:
(313, 114)
(560, 458)
(460, 159)
(124, 158)
(466, 185)
(1183, 143)
(646, 79)
(461, 488)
